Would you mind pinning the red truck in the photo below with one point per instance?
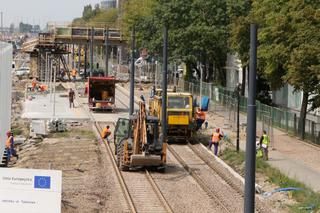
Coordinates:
(101, 93)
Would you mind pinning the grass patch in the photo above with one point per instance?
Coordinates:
(17, 131)
(88, 134)
(304, 197)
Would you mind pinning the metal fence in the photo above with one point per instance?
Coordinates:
(5, 92)
(269, 116)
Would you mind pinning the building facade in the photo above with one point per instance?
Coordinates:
(5, 92)
(108, 4)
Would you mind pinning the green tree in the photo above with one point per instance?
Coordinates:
(197, 30)
(289, 47)
(87, 13)
(97, 17)
(239, 28)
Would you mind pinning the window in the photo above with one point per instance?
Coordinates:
(179, 102)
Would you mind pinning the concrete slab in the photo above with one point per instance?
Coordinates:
(42, 107)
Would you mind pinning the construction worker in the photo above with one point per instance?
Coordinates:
(200, 118)
(215, 139)
(74, 75)
(105, 134)
(86, 88)
(42, 87)
(33, 84)
(71, 98)
(264, 144)
(10, 147)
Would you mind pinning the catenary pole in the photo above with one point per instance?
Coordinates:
(238, 117)
(133, 37)
(249, 203)
(91, 52)
(164, 84)
(85, 60)
(107, 47)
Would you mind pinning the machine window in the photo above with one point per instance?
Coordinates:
(178, 102)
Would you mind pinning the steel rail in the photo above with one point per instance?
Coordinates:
(198, 179)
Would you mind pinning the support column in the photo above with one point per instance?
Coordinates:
(106, 73)
(85, 60)
(91, 52)
(72, 55)
(79, 58)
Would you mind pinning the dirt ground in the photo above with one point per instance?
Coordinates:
(88, 183)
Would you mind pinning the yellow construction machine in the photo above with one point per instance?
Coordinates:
(180, 112)
(138, 143)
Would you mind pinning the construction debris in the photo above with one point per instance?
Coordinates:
(56, 125)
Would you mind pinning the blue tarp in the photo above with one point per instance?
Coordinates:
(205, 103)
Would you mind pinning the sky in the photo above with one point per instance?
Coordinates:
(42, 11)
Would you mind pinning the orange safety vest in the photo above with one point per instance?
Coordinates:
(34, 84)
(8, 142)
(215, 137)
(74, 72)
(202, 115)
(105, 132)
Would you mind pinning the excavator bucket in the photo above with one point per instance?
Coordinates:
(146, 160)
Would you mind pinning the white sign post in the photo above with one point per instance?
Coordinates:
(30, 190)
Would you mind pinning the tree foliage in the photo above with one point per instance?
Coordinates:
(96, 17)
(289, 46)
(197, 30)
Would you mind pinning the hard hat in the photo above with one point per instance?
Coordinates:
(8, 133)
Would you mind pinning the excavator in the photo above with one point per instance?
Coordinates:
(137, 141)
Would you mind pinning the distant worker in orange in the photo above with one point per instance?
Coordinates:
(105, 134)
(215, 139)
(42, 87)
(33, 84)
(74, 75)
(200, 118)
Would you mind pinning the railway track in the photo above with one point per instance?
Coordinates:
(202, 183)
(139, 188)
(141, 192)
(215, 169)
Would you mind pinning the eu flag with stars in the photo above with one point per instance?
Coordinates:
(42, 182)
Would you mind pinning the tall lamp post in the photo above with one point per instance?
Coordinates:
(238, 90)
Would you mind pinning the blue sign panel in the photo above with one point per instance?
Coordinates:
(42, 182)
